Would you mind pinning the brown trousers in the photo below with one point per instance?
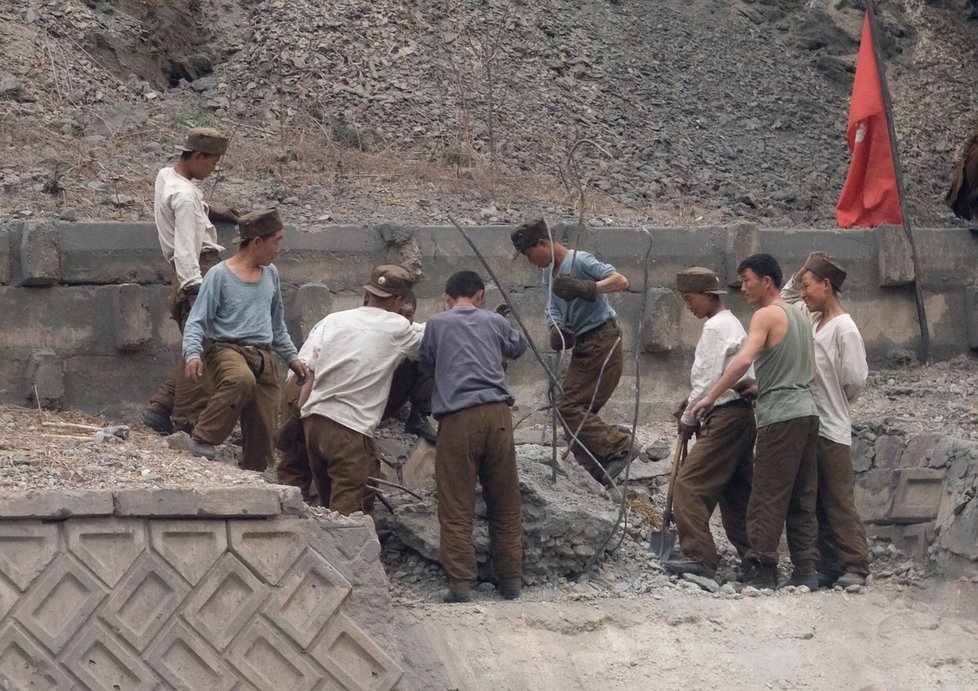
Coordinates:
(340, 460)
(477, 443)
(178, 397)
(245, 385)
(581, 384)
(784, 492)
(717, 470)
(841, 536)
(409, 383)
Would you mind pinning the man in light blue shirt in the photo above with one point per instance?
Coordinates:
(580, 317)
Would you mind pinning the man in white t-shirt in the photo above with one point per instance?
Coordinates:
(840, 377)
(188, 239)
(352, 356)
(718, 469)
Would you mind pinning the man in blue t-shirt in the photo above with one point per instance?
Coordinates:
(580, 317)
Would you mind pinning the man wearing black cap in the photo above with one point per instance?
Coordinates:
(184, 225)
(840, 377)
(351, 357)
(239, 311)
(580, 317)
(718, 469)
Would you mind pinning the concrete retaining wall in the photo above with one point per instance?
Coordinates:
(218, 589)
(83, 306)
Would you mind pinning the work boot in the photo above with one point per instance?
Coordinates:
(458, 591)
(804, 575)
(850, 578)
(509, 589)
(202, 449)
(158, 421)
(827, 580)
(615, 465)
(761, 576)
(417, 423)
(688, 565)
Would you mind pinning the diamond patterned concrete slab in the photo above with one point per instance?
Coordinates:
(918, 495)
(26, 547)
(24, 665)
(270, 662)
(104, 664)
(216, 501)
(307, 599)
(356, 661)
(186, 661)
(8, 597)
(190, 547)
(224, 602)
(107, 546)
(144, 601)
(269, 547)
(59, 602)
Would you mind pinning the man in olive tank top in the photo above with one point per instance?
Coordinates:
(779, 344)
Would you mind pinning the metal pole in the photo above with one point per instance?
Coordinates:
(870, 7)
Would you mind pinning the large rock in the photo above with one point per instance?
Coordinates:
(564, 523)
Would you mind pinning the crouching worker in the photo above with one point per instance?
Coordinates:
(464, 348)
(718, 469)
(239, 312)
(351, 357)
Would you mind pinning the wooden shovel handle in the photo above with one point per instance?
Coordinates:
(677, 460)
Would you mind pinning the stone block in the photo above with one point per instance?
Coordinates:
(959, 533)
(133, 318)
(895, 259)
(44, 381)
(863, 453)
(26, 548)
(743, 240)
(59, 603)
(144, 601)
(5, 236)
(919, 450)
(307, 598)
(186, 661)
(291, 500)
(313, 301)
(222, 501)
(25, 665)
(267, 660)
(269, 547)
(918, 495)
(107, 546)
(353, 659)
(111, 253)
(873, 493)
(418, 472)
(101, 661)
(60, 504)
(224, 602)
(660, 323)
(40, 255)
(190, 547)
(971, 315)
(888, 451)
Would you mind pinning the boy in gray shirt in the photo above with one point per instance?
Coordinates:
(464, 349)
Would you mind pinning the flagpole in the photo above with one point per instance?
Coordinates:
(870, 7)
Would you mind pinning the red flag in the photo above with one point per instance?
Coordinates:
(870, 196)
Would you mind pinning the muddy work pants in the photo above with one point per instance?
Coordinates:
(245, 385)
(586, 389)
(177, 397)
(717, 471)
(783, 493)
(341, 460)
(841, 536)
(477, 444)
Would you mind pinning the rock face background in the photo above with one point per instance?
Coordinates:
(694, 112)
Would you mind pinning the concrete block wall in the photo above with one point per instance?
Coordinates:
(84, 316)
(230, 588)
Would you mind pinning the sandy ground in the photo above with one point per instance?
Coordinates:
(888, 638)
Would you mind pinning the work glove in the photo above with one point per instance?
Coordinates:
(221, 212)
(570, 288)
(502, 309)
(192, 289)
(561, 337)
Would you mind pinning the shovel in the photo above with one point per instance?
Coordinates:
(662, 542)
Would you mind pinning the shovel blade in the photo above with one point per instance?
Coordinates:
(661, 544)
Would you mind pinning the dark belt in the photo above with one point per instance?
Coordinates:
(610, 324)
(251, 354)
(736, 403)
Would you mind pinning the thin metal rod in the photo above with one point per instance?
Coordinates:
(898, 171)
(395, 485)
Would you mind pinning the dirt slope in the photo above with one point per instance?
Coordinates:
(695, 112)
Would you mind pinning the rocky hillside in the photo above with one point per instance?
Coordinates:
(676, 111)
